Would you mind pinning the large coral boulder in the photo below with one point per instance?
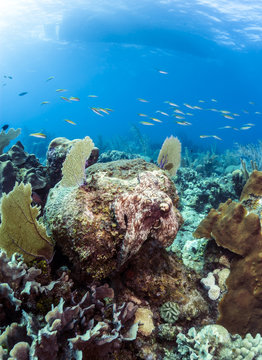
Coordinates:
(102, 224)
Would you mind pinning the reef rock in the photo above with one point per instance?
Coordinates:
(102, 224)
(17, 165)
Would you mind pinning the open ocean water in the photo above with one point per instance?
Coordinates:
(135, 57)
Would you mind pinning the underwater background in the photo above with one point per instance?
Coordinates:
(120, 51)
(130, 180)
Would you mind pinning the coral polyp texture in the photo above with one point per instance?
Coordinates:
(237, 227)
(102, 224)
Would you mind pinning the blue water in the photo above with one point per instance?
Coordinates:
(209, 50)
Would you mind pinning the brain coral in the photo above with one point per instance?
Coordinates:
(99, 226)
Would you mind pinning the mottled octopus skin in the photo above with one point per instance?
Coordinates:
(102, 224)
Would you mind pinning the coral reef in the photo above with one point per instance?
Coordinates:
(20, 231)
(170, 312)
(170, 155)
(16, 165)
(56, 154)
(237, 227)
(5, 138)
(100, 225)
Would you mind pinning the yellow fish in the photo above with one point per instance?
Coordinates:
(38, 135)
(96, 111)
(155, 119)
(144, 115)
(225, 112)
(61, 90)
(228, 117)
(65, 98)
(245, 127)
(171, 103)
(216, 137)
(201, 101)
(50, 78)
(73, 98)
(162, 112)
(189, 106)
(70, 121)
(185, 123)
(45, 102)
(145, 123)
(143, 100)
(179, 112)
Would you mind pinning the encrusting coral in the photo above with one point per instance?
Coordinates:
(237, 227)
(100, 225)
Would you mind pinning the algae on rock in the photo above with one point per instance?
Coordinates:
(20, 231)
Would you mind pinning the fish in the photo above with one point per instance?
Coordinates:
(38, 135)
(163, 72)
(45, 102)
(61, 90)
(250, 102)
(226, 127)
(155, 119)
(5, 127)
(50, 78)
(162, 112)
(185, 123)
(208, 136)
(245, 127)
(4, 84)
(146, 123)
(190, 114)
(96, 111)
(201, 101)
(171, 103)
(70, 121)
(189, 106)
(249, 124)
(74, 98)
(214, 110)
(197, 107)
(23, 93)
(143, 100)
(140, 114)
(258, 113)
(214, 100)
(225, 112)
(179, 112)
(65, 98)
(10, 77)
(179, 117)
(235, 114)
(109, 109)
(92, 96)
(103, 110)
(228, 117)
